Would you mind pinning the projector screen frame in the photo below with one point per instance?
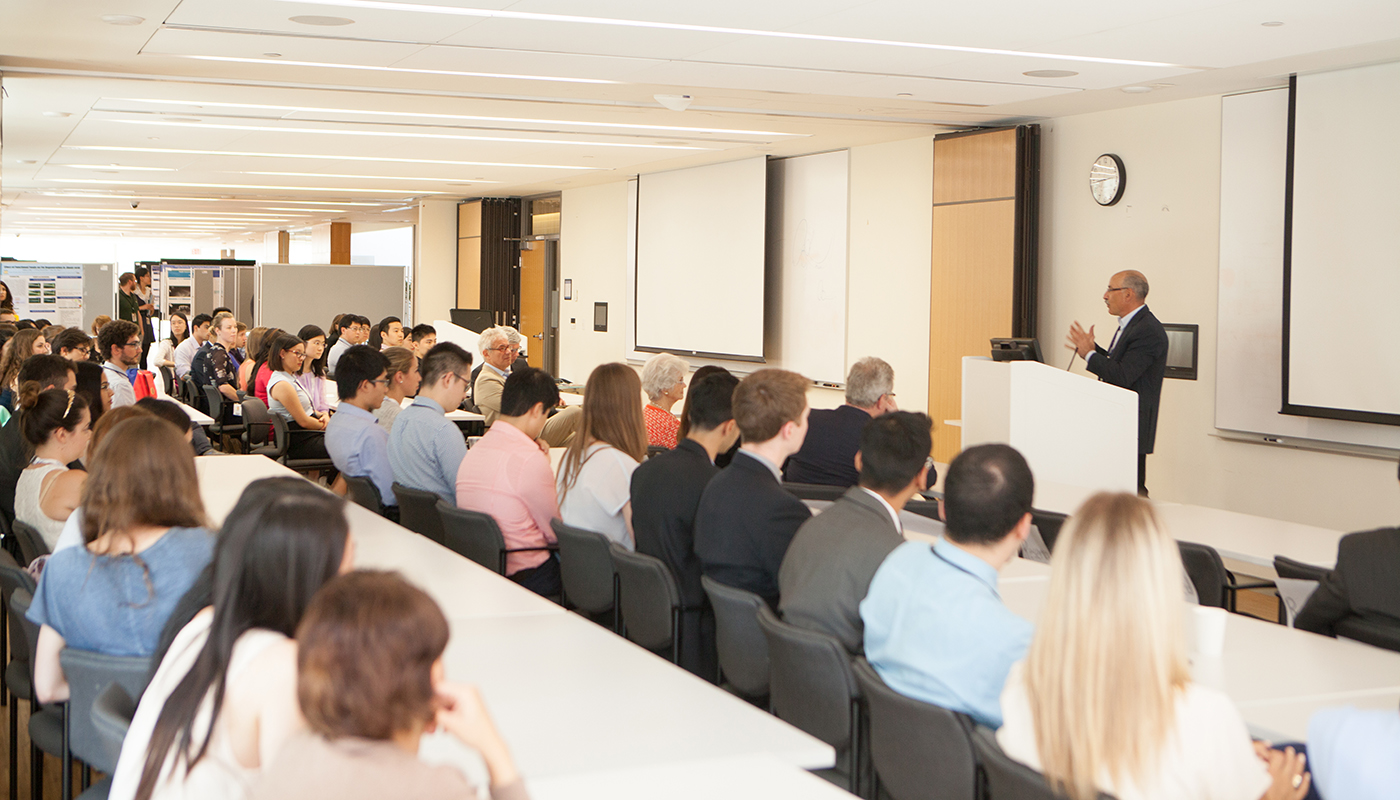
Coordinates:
(1293, 409)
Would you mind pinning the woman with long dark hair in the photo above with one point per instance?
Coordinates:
(224, 696)
(595, 476)
(57, 426)
(163, 353)
(287, 399)
(312, 375)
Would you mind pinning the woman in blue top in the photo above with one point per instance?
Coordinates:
(145, 545)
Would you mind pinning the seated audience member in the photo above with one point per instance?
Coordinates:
(252, 347)
(722, 460)
(508, 476)
(185, 350)
(120, 343)
(17, 350)
(72, 535)
(832, 559)
(499, 348)
(425, 447)
(595, 475)
(240, 351)
(261, 372)
(162, 354)
(666, 491)
(47, 372)
(171, 412)
(57, 425)
(403, 380)
(1362, 586)
(1351, 753)
(223, 698)
(833, 435)
(423, 337)
(388, 332)
(72, 343)
(1104, 700)
(371, 682)
(288, 400)
(312, 376)
(354, 329)
(94, 387)
(357, 444)
(145, 544)
(214, 365)
(746, 519)
(935, 627)
(663, 380)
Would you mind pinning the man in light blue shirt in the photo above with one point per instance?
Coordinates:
(935, 627)
(425, 447)
(357, 443)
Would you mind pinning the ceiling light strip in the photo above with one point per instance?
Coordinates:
(408, 192)
(93, 195)
(325, 64)
(325, 157)
(358, 177)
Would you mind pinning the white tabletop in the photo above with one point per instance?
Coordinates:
(195, 415)
(753, 777)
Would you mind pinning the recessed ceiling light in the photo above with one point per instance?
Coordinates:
(905, 94)
(1050, 73)
(122, 19)
(1137, 89)
(1272, 24)
(1162, 85)
(272, 55)
(28, 161)
(324, 22)
(328, 65)
(57, 114)
(184, 119)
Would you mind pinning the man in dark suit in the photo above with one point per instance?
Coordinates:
(1361, 587)
(828, 566)
(746, 518)
(828, 453)
(1136, 358)
(666, 492)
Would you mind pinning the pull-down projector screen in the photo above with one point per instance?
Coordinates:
(1342, 283)
(700, 250)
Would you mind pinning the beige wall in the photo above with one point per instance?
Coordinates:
(435, 260)
(1167, 226)
(593, 254)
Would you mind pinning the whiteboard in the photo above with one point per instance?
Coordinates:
(1249, 345)
(808, 203)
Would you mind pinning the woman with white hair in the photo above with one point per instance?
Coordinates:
(1104, 700)
(663, 381)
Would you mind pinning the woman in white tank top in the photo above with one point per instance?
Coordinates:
(57, 425)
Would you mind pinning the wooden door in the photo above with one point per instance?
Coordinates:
(534, 300)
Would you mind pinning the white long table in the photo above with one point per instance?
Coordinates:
(754, 777)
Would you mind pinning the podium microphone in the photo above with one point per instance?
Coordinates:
(1072, 354)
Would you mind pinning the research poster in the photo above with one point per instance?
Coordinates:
(46, 291)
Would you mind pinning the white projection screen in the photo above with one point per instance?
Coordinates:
(1342, 282)
(700, 255)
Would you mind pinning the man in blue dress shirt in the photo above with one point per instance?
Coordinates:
(425, 447)
(357, 443)
(935, 627)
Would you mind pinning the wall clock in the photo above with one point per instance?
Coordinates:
(1107, 179)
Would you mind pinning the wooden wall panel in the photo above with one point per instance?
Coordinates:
(469, 272)
(340, 243)
(975, 167)
(469, 219)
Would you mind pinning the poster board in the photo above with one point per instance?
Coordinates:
(52, 292)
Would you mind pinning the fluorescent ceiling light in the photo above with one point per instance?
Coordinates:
(361, 177)
(676, 26)
(371, 68)
(115, 168)
(326, 157)
(402, 135)
(250, 186)
(469, 117)
(143, 197)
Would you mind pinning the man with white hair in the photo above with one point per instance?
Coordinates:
(828, 455)
(499, 347)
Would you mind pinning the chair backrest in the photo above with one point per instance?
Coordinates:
(1369, 631)
(31, 544)
(1207, 572)
(815, 491)
(13, 580)
(167, 376)
(111, 716)
(1298, 570)
(586, 568)
(1008, 779)
(1049, 523)
(810, 680)
(364, 492)
(924, 508)
(256, 421)
(656, 449)
(24, 634)
(472, 534)
(190, 394)
(215, 399)
(650, 599)
(743, 649)
(89, 674)
(920, 751)
(418, 511)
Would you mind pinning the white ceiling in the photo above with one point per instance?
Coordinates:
(230, 119)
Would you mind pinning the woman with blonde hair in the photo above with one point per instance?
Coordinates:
(663, 380)
(1104, 700)
(595, 476)
(403, 380)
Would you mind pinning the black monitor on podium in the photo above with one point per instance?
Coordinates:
(1016, 350)
(473, 319)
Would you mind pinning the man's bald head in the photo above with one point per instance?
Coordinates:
(1134, 280)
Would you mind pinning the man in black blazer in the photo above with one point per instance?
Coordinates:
(746, 518)
(1136, 357)
(832, 559)
(666, 491)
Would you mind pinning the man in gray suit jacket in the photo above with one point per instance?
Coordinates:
(833, 557)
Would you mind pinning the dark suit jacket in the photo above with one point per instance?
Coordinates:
(829, 451)
(666, 491)
(830, 563)
(1364, 584)
(743, 527)
(1138, 362)
(13, 460)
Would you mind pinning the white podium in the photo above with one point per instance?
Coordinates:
(1074, 431)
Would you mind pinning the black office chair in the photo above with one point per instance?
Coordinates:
(18, 680)
(1049, 524)
(650, 600)
(812, 687)
(743, 649)
(167, 377)
(1215, 585)
(919, 751)
(1286, 567)
(364, 493)
(48, 725)
(924, 508)
(588, 574)
(257, 426)
(217, 405)
(112, 713)
(282, 436)
(89, 674)
(1008, 779)
(815, 491)
(418, 511)
(31, 543)
(656, 449)
(1369, 631)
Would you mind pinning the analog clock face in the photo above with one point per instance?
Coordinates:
(1107, 179)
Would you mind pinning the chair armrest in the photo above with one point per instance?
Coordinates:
(552, 549)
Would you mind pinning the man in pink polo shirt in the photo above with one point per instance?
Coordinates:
(507, 475)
